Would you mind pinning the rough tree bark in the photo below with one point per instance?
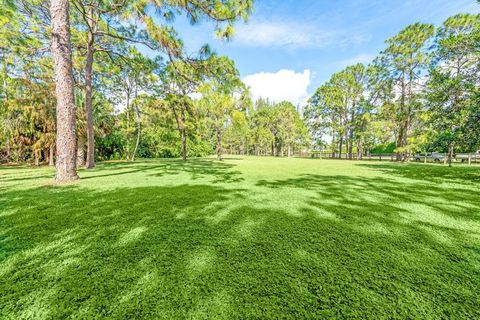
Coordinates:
(88, 90)
(80, 150)
(62, 63)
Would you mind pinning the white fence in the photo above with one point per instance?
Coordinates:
(468, 158)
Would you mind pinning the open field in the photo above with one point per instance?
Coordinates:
(244, 238)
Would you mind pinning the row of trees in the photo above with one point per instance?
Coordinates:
(421, 93)
(76, 87)
(267, 128)
(177, 125)
(276, 129)
(85, 54)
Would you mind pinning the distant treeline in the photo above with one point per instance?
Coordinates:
(420, 94)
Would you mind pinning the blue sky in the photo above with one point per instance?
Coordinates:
(290, 47)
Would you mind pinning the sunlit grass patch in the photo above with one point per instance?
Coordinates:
(244, 238)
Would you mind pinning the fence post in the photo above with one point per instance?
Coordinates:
(470, 159)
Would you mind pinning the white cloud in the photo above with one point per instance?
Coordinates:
(284, 85)
(293, 35)
(267, 34)
(361, 58)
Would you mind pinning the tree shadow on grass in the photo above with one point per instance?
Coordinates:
(386, 195)
(197, 251)
(22, 173)
(414, 225)
(197, 168)
(67, 251)
(220, 172)
(429, 172)
(25, 179)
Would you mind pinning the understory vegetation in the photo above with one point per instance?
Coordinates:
(244, 238)
(420, 94)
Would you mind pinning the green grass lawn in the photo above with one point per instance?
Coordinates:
(244, 238)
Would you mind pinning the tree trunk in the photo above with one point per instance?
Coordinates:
(333, 146)
(347, 148)
(351, 133)
(137, 141)
(289, 150)
(80, 150)
(62, 62)
(51, 155)
(139, 122)
(183, 135)
(180, 118)
(450, 154)
(139, 131)
(127, 113)
(340, 147)
(88, 92)
(350, 146)
(37, 157)
(409, 114)
(219, 144)
(399, 145)
(402, 134)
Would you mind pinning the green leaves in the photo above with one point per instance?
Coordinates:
(417, 89)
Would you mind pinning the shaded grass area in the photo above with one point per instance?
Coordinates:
(244, 238)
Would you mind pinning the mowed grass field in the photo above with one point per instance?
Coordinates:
(247, 238)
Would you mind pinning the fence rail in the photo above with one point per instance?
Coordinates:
(378, 156)
(470, 158)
